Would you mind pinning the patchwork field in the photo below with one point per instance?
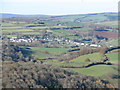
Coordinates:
(41, 52)
(58, 41)
(110, 23)
(102, 71)
(107, 34)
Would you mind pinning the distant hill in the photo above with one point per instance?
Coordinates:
(7, 15)
(90, 17)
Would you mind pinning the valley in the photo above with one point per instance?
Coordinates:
(86, 44)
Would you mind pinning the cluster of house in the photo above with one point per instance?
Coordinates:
(60, 40)
(88, 44)
(15, 39)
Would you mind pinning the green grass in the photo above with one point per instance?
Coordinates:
(101, 71)
(114, 42)
(16, 30)
(7, 24)
(88, 18)
(51, 22)
(114, 57)
(96, 18)
(31, 33)
(39, 27)
(57, 33)
(10, 36)
(40, 52)
(97, 70)
(32, 24)
(70, 23)
(50, 50)
(60, 32)
(93, 57)
(84, 29)
(7, 28)
(59, 26)
(82, 18)
(87, 41)
(80, 61)
(110, 23)
(72, 37)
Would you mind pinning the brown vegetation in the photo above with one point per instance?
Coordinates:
(36, 75)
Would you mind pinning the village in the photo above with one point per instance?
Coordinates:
(58, 40)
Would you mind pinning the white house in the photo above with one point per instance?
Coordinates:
(82, 44)
(93, 45)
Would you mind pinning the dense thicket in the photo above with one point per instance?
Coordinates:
(12, 52)
(37, 75)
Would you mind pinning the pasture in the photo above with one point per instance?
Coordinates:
(109, 23)
(41, 52)
(16, 30)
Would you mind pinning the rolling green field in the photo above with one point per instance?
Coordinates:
(41, 53)
(84, 29)
(15, 27)
(8, 24)
(114, 56)
(98, 70)
(110, 23)
(114, 42)
(16, 30)
(81, 60)
(83, 18)
(9, 28)
(10, 36)
(31, 33)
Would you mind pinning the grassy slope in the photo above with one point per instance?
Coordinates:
(80, 61)
(114, 57)
(40, 52)
(109, 23)
(114, 42)
(98, 70)
(16, 30)
(101, 71)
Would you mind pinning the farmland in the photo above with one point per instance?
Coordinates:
(110, 23)
(86, 44)
(41, 53)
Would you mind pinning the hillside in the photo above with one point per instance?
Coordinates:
(24, 72)
(79, 17)
(8, 15)
(74, 51)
